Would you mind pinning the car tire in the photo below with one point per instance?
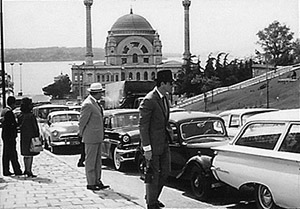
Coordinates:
(118, 165)
(264, 198)
(200, 185)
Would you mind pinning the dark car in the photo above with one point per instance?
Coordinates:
(195, 133)
(121, 136)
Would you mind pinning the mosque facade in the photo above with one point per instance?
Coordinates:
(133, 51)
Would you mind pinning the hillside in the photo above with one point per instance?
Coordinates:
(281, 96)
(50, 54)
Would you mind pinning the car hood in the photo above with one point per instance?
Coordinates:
(207, 142)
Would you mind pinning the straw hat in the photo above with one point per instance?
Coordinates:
(96, 87)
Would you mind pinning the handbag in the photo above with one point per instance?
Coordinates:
(36, 145)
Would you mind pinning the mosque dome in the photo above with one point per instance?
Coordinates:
(131, 22)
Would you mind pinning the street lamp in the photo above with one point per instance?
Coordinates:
(20, 93)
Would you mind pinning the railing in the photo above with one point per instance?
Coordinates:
(261, 78)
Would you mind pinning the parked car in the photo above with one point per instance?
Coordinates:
(121, 136)
(75, 107)
(41, 113)
(265, 154)
(62, 129)
(195, 133)
(236, 118)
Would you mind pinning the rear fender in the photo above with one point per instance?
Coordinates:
(203, 162)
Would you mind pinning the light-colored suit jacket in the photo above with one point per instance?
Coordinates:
(91, 122)
(154, 123)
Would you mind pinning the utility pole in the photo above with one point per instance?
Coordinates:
(2, 56)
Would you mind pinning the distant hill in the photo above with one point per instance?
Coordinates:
(50, 54)
(281, 96)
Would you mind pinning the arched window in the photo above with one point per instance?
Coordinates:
(146, 76)
(135, 58)
(122, 76)
(130, 76)
(153, 76)
(138, 76)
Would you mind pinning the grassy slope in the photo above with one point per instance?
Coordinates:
(281, 96)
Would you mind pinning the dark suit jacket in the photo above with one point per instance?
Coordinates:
(154, 123)
(9, 124)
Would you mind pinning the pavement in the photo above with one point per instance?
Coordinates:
(58, 185)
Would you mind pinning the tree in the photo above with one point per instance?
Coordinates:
(276, 40)
(60, 88)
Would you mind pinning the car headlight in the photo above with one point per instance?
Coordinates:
(125, 139)
(55, 133)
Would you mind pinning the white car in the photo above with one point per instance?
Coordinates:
(234, 119)
(62, 129)
(265, 154)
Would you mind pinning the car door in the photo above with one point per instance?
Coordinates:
(107, 129)
(290, 172)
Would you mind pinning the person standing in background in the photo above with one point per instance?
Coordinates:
(9, 135)
(156, 133)
(92, 132)
(28, 129)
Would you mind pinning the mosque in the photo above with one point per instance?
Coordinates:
(133, 51)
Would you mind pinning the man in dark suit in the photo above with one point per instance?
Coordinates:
(155, 133)
(9, 135)
(92, 132)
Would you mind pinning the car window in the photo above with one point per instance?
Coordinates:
(234, 121)
(291, 142)
(125, 120)
(64, 118)
(200, 128)
(261, 135)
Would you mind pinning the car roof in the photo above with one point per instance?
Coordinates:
(63, 112)
(281, 115)
(246, 110)
(182, 115)
(50, 106)
(120, 111)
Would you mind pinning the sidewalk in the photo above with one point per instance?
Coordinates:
(58, 186)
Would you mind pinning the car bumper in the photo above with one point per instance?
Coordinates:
(66, 140)
(126, 154)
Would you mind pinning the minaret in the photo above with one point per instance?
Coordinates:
(186, 55)
(89, 50)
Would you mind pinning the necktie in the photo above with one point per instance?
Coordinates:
(165, 104)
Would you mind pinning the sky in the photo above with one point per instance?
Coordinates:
(215, 25)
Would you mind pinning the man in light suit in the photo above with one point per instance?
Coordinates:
(92, 133)
(155, 133)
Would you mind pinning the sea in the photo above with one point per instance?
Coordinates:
(31, 77)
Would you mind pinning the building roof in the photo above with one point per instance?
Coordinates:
(131, 22)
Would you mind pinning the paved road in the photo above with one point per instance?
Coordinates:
(60, 185)
(175, 195)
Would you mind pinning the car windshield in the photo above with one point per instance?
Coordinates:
(65, 118)
(200, 128)
(261, 135)
(125, 120)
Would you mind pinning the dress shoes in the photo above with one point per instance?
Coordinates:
(93, 187)
(19, 173)
(154, 206)
(8, 174)
(101, 185)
